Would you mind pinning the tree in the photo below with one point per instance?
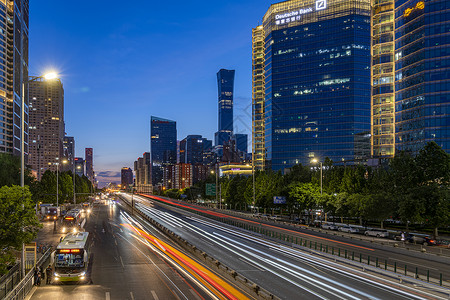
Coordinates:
(10, 170)
(19, 223)
(306, 195)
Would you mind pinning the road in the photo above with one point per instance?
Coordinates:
(284, 271)
(394, 258)
(126, 266)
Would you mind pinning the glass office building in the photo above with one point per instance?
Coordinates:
(383, 97)
(225, 85)
(163, 146)
(422, 74)
(317, 81)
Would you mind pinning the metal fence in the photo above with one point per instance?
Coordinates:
(21, 289)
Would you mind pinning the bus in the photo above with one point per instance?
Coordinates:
(71, 221)
(71, 258)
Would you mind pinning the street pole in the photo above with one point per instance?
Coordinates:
(22, 163)
(321, 167)
(74, 197)
(57, 195)
(253, 179)
(217, 185)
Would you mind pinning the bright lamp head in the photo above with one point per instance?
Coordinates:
(51, 75)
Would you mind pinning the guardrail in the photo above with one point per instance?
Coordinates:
(21, 290)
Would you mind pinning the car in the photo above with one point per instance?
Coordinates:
(349, 229)
(424, 240)
(275, 217)
(329, 226)
(377, 232)
(257, 215)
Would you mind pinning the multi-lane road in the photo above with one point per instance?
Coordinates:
(127, 263)
(287, 272)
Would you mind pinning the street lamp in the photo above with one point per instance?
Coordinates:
(315, 161)
(22, 145)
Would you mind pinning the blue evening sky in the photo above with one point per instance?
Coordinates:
(122, 61)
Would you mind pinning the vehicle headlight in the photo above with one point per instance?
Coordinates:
(74, 230)
(89, 211)
(64, 229)
(82, 274)
(56, 274)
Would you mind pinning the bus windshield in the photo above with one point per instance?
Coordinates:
(69, 258)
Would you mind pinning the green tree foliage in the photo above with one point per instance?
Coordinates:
(305, 195)
(19, 223)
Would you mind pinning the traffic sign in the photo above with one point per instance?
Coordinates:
(210, 189)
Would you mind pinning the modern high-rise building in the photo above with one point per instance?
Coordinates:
(89, 159)
(316, 80)
(126, 177)
(177, 176)
(79, 166)
(163, 146)
(258, 94)
(225, 84)
(192, 148)
(241, 142)
(143, 171)
(14, 64)
(46, 125)
(68, 153)
(422, 74)
(383, 92)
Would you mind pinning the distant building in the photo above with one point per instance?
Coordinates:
(143, 171)
(89, 158)
(163, 146)
(68, 153)
(225, 84)
(178, 176)
(79, 166)
(230, 153)
(126, 177)
(200, 172)
(241, 142)
(192, 148)
(46, 125)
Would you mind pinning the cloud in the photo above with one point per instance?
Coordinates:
(105, 177)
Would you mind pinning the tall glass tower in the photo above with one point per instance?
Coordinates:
(225, 84)
(317, 81)
(422, 74)
(14, 64)
(163, 146)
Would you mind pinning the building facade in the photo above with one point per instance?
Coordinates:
(241, 142)
(68, 153)
(258, 96)
(89, 160)
(14, 64)
(317, 81)
(46, 125)
(225, 85)
(383, 89)
(163, 146)
(143, 170)
(422, 74)
(192, 148)
(126, 177)
(79, 166)
(178, 176)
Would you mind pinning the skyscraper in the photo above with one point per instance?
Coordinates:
(383, 99)
(225, 84)
(422, 74)
(143, 170)
(126, 177)
(14, 62)
(46, 125)
(258, 133)
(89, 159)
(317, 81)
(192, 148)
(79, 166)
(163, 146)
(68, 152)
(241, 142)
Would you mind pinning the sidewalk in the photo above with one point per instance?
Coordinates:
(47, 236)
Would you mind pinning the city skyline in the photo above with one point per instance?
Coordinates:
(135, 67)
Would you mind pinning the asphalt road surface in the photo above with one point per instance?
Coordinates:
(124, 267)
(284, 271)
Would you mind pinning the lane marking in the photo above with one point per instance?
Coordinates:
(195, 294)
(131, 295)
(154, 295)
(108, 296)
(251, 264)
(426, 267)
(121, 261)
(176, 295)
